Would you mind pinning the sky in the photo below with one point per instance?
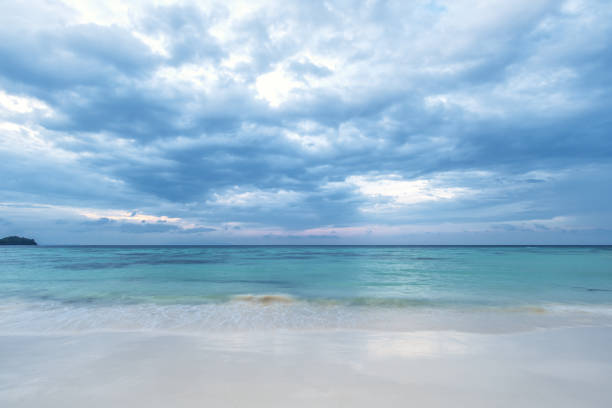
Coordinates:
(306, 122)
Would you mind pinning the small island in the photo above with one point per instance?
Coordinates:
(14, 240)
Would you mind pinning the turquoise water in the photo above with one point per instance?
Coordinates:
(307, 282)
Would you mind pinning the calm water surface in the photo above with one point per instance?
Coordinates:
(82, 281)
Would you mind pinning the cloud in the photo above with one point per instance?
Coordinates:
(197, 230)
(397, 192)
(302, 237)
(236, 197)
(295, 116)
(142, 226)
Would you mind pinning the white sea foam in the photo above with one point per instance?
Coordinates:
(244, 312)
(277, 311)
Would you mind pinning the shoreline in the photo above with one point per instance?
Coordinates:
(243, 316)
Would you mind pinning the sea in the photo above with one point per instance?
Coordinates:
(191, 289)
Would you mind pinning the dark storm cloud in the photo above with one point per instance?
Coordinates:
(261, 117)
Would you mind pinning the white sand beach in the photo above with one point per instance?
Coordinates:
(564, 367)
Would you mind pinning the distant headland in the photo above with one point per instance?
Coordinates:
(14, 240)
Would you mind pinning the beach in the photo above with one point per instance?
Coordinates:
(303, 326)
(553, 367)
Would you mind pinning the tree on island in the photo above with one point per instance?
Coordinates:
(15, 240)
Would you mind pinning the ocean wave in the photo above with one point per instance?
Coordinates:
(264, 299)
(279, 311)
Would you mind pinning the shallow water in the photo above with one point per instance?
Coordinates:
(303, 287)
(305, 326)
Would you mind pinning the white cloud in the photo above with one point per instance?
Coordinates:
(189, 77)
(157, 44)
(25, 141)
(311, 143)
(22, 104)
(275, 87)
(240, 197)
(396, 192)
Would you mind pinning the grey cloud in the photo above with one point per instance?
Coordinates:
(406, 89)
(302, 237)
(146, 227)
(187, 29)
(142, 227)
(88, 55)
(308, 68)
(197, 230)
(100, 221)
